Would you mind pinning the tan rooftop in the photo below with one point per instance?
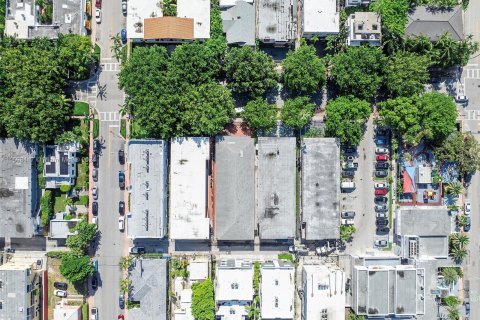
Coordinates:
(168, 28)
(367, 22)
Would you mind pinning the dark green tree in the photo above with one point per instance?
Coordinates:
(439, 115)
(85, 234)
(357, 71)
(259, 114)
(76, 268)
(461, 148)
(406, 74)
(297, 113)
(393, 13)
(346, 118)
(203, 300)
(249, 71)
(76, 53)
(303, 70)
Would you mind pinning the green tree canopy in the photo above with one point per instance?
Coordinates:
(439, 115)
(259, 114)
(303, 70)
(357, 71)
(297, 112)
(406, 74)
(249, 71)
(76, 52)
(85, 234)
(393, 13)
(76, 268)
(203, 301)
(461, 148)
(345, 119)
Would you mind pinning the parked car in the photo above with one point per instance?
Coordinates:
(381, 199)
(381, 207)
(347, 221)
(60, 293)
(381, 185)
(347, 185)
(350, 166)
(123, 35)
(380, 150)
(381, 131)
(136, 250)
(95, 174)
(95, 160)
(382, 157)
(298, 250)
(120, 317)
(380, 141)
(348, 173)
(98, 15)
(121, 179)
(95, 220)
(121, 223)
(467, 208)
(381, 192)
(124, 6)
(381, 173)
(381, 222)
(98, 4)
(348, 214)
(349, 158)
(95, 193)
(461, 99)
(381, 243)
(382, 229)
(94, 282)
(381, 215)
(94, 313)
(95, 208)
(121, 156)
(381, 165)
(467, 308)
(121, 301)
(60, 285)
(121, 207)
(467, 225)
(96, 146)
(350, 150)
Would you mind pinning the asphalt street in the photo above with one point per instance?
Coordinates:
(112, 243)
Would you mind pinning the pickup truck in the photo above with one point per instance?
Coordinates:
(350, 165)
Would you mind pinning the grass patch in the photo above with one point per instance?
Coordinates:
(85, 311)
(82, 200)
(123, 128)
(80, 108)
(96, 128)
(137, 131)
(152, 255)
(82, 174)
(60, 201)
(286, 256)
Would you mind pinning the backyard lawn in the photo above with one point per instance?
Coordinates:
(80, 108)
(60, 201)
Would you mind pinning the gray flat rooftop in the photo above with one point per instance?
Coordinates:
(276, 20)
(321, 188)
(18, 188)
(148, 178)
(149, 288)
(276, 187)
(13, 292)
(235, 188)
(433, 246)
(423, 221)
(239, 23)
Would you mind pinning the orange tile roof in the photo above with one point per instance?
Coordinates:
(168, 28)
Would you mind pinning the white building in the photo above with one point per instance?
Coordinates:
(277, 290)
(323, 292)
(364, 28)
(188, 189)
(137, 12)
(233, 288)
(199, 11)
(60, 164)
(224, 4)
(320, 18)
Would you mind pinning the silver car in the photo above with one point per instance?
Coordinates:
(381, 243)
(95, 193)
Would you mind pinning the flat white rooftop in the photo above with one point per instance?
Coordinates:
(188, 189)
(137, 11)
(234, 281)
(323, 292)
(320, 17)
(277, 291)
(23, 15)
(199, 11)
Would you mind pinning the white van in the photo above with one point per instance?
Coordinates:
(347, 185)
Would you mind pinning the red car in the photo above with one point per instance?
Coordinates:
(381, 192)
(98, 4)
(120, 317)
(382, 157)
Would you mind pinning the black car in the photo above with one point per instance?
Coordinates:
(383, 229)
(121, 179)
(96, 146)
(381, 222)
(467, 226)
(121, 156)
(381, 165)
(348, 173)
(94, 282)
(121, 207)
(95, 175)
(95, 208)
(381, 207)
(95, 160)
(137, 250)
(381, 173)
(350, 150)
(380, 199)
(381, 131)
(121, 301)
(60, 285)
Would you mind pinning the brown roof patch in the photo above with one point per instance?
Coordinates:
(168, 28)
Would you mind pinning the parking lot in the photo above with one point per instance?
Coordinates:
(361, 199)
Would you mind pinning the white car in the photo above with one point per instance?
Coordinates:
(380, 150)
(95, 220)
(60, 293)
(381, 215)
(381, 185)
(98, 15)
(347, 221)
(124, 6)
(467, 208)
(381, 243)
(94, 313)
(461, 99)
(121, 223)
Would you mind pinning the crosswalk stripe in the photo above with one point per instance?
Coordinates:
(109, 116)
(473, 73)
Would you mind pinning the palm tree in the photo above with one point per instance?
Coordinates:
(450, 275)
(463, 240)
(125, 285)
(454, 189)
(124, 109)
(125, 262)
(253, 311)
(117, 46)
(452, 313)
(461, 220)
(458, 254)
(420, 44)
